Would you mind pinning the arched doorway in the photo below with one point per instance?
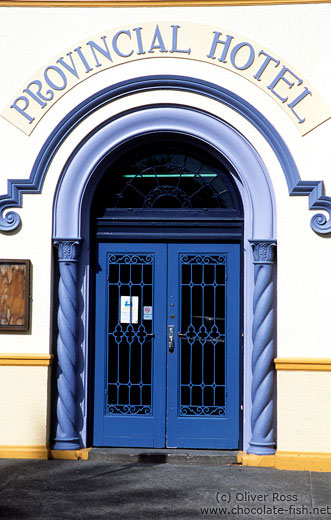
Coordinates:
(71, 232)
(168, 224)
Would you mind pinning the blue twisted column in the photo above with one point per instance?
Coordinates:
(66, 437)
(262, 419)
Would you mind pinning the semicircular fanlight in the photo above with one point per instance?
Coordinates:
(171, 176)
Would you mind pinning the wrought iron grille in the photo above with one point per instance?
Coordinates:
(203, 336)
(166, 178)
(130, 338)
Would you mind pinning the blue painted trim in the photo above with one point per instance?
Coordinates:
(66, 437)
(79, 178)
(263, 354)
(317, 200)
(205, 431)
(80, 173)
(131, 430)
(16, 187)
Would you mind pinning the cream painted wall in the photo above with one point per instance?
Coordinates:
(25, 48)
(299, 251)
(23, 405)
(297, 32)
(304, 414)
(304, 280)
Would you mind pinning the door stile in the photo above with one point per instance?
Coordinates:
(172, 354)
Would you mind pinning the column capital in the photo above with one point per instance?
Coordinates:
(263, 251)
(68, 249)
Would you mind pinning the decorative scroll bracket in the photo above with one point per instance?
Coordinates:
(262, 418)
(66, 437)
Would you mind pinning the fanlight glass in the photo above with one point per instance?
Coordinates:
(167, 177)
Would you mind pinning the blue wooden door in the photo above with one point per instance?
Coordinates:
(203, 368)
(130, 358)
(167, 335)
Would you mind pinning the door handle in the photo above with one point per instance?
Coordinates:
(171, 342)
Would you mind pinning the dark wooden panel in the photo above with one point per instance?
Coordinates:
(14, 294)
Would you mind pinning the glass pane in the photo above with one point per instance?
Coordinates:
(165, 176)
(130, 341)
(203, 335)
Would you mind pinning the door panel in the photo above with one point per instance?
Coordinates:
(150, 391)
(203, 370)
(129, 407)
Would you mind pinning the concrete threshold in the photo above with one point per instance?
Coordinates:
(163, 456)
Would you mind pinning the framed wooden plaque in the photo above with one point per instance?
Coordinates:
(14, 295)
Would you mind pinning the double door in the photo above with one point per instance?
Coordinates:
(167, 335)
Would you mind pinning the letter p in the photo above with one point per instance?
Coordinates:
(22, 109)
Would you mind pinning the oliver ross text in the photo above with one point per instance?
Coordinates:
(160, 40)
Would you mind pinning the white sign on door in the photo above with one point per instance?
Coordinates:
(129, 309)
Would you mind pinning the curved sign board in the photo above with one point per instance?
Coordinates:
(214, 45)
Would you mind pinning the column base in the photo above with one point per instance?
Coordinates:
(250, 459)
(66, 444)
(81, 454)
(259, 449)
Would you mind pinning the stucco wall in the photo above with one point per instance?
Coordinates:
(304, 418)
(299, 251)
(299, 34)
(24, 405)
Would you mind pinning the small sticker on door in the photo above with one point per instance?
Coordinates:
(148, 312)
(129, 309)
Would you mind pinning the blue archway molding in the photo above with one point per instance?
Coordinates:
(259, 233)
(71, 234)
(77, 181)
(10, 220)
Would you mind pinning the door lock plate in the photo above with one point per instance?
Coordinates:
(171, 339)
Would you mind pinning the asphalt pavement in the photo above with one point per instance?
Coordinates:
(55, 489)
